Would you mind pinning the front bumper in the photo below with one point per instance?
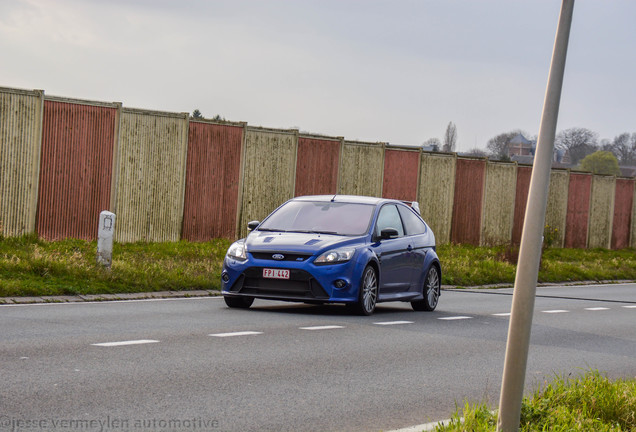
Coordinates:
(337, 283)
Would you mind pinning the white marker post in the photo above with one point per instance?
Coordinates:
(105, 238)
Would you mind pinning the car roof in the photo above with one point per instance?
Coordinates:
(345, 199)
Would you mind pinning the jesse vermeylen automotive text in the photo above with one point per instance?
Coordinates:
(109, 423)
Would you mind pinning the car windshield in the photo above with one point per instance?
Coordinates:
(339, 218)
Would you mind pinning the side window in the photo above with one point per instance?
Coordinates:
(389, 217)
(412, 222)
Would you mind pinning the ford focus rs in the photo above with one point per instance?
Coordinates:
(336, 249)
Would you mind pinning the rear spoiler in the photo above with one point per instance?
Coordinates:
(414, 205)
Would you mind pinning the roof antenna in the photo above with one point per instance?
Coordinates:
(334, 198)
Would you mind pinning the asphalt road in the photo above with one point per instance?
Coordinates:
(193, 364)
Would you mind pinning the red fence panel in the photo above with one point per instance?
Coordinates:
(470, 176)
(623, 202)
(75, 169)
(317, 166)
(521, 200)
(578, 215)
(213, 170)
(401, 172)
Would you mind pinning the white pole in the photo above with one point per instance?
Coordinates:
(530, 252)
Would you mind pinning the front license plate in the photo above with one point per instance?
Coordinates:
(275, 273)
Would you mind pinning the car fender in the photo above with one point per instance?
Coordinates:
(367, 256)
(430, 260)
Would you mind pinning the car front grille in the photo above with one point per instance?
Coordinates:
(300, 285)
(296, 257)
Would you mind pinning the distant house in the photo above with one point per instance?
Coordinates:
(520, 146)
(430, 148)
(522, 150)
(628, 171)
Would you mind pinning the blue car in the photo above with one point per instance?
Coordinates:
(336, 249)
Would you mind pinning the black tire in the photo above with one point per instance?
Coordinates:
(430, 291)
(368, 296)
(238, 302)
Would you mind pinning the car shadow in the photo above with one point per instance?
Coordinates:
(325, 310)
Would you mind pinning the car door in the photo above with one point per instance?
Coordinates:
(395, 270)
(418, 245)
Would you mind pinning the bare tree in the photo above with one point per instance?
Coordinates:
(476, 151)
(624, 148)
(579, 142)
(450, 138)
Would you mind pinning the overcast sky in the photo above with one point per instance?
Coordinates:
(374, 70)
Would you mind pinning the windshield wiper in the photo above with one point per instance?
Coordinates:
(271, 230)
(316, 232)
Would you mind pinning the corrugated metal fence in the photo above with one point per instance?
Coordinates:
(213, 175)
(76, 166)
(317, 165)
(167, 177)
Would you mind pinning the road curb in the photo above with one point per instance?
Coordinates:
(109, 297)
(214, 293)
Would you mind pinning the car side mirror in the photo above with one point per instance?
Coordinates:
(388, 233)
(251, 226)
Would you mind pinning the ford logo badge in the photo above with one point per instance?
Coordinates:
(278, 257)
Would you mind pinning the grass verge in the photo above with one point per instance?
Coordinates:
(465, 265)
(588, 403)
(33, 267)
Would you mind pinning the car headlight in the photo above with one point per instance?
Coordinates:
(335, 256)
(237, 251)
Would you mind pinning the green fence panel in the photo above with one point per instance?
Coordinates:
(499, 203)
(268, 173)
(20, 150)
(557, 207)
(150, 176)
(601, 212)
(436, 192)
(361, 169)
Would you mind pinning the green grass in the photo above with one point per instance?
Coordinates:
(591, 403)
(464, 265)
(33, 267)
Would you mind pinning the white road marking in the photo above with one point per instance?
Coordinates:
(393, 322)
(596, 308)
(555, 311)
(630, 307)
(327, 327)
(502, 314)
(453, 318)
(123, 343)
(238, 333)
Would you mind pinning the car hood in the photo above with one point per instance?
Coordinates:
(309, 243)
